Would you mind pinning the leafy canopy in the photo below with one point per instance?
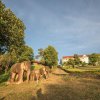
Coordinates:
(12, 44)
(11, 30)
(50, 56)
(93, 59)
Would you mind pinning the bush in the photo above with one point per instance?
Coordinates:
(4, 77)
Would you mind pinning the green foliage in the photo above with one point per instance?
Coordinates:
(12, 44)
(25, 53)
(61, 62)
(71, 62)
(40, 52)
(40, 56)
(11, 30)
(77, 60)
(4, 77)
(93, 59)
(84, 64)
(32, 67)
(50, 56)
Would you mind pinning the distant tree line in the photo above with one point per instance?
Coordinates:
(94, 59)
(12, 45)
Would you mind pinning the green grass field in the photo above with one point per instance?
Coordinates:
(79, 84)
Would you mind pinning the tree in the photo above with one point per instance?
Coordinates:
(40, 56)
(93, 59)
(12, 44)
(40, 52)
(26, 53)
(98, 57)
(71, 62)
(77, 60)
(11, 30)
(22, 54)
(50, 56)
(61, 62)
(84, 64)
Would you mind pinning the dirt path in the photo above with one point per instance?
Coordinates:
(55, 77)
(59, 71)
(50, 86)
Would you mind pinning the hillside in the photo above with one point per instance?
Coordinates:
(59, 86)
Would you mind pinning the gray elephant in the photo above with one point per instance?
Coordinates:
(17, 71)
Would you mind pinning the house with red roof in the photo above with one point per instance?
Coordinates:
(83, 58)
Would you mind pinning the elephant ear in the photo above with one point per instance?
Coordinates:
(23, 65)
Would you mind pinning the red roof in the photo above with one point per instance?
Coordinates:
(67, 57)
(71, 56)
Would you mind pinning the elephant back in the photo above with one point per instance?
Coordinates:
(16, 68)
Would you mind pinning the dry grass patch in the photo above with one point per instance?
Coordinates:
(70, 88)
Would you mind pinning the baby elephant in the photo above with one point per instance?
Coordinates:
(37, 74)
(44, 72)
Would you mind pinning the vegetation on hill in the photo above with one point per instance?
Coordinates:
(12, 45)
(94, 60)
(59, 86)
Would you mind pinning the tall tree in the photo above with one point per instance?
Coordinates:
(26, 53)
(11, 30)
(77, 60)
(71, 62)
(50, 56)
(40, 52)
(12, 44)
(93, 59)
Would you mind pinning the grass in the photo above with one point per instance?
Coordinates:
(91, 70)
(73, 86)
(24, 91)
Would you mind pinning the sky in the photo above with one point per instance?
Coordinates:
(71, 26)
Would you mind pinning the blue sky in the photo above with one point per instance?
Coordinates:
(71, 26)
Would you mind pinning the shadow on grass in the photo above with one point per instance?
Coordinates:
(2, 98)
(64, 92)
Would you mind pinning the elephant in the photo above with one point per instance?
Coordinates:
(38, 73)
(17, 71)
(35, 75)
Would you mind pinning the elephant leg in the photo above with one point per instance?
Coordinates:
(46, 74)
(11, 80)
(20, 77)
(37, 78)
(31, 77)
(16, 78)
(12, 77)
(28, 74)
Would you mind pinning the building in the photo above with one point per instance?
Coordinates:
(83, 58)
